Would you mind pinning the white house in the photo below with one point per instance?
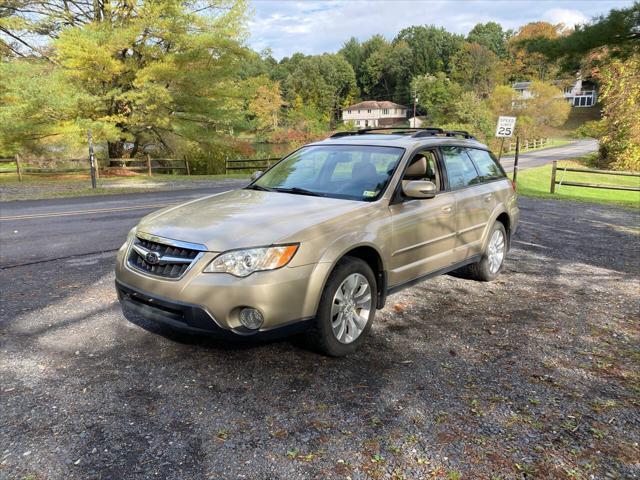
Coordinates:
(582, 93)
(375, 114)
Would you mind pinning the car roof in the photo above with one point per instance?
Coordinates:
(407, 140)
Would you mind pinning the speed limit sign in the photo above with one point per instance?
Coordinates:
(506, 126)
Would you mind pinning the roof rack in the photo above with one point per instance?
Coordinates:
(415, 132)
(447, 133)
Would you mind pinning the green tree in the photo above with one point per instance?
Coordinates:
(474, 115)
(433, 48)
(477, 68)
(620, 94)
(491, 36)
(353, 53)
(547, 107)
(437, 96)
(386, 73)
(618, 32)
(325, 82)
(525, 65)
(154, 72)
(38, 107)
(265, 101)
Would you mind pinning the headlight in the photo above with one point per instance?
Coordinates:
(244, 262)
(130, 236)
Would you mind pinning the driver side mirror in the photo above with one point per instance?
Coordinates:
(256, 175)
(419, 189)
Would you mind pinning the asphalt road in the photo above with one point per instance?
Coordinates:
(541, 157)
(42, 230)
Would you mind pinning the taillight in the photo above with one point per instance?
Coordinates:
(513, 185)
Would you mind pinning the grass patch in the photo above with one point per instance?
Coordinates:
(535, 182)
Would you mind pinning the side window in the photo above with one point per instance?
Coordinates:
(487, 166)
(423, 166)
(460, 169)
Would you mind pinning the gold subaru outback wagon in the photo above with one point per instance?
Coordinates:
(319, 240)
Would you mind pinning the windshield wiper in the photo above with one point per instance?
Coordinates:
(299, 191)
(259, 187)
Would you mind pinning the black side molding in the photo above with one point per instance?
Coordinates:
(450, 268)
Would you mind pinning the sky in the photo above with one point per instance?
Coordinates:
(318, 26)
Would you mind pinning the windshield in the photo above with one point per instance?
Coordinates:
(355, 172)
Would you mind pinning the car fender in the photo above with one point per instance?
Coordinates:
(329, 259)
(497, 211)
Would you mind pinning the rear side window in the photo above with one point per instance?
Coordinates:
(460, 169)
(487, 166)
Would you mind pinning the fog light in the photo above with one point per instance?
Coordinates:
(251, 318)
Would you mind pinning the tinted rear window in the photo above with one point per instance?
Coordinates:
(487, 166)
(460, 169)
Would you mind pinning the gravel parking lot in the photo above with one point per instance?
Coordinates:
(536, 375)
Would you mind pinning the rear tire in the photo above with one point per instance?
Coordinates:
(492, 261)
(346, 310)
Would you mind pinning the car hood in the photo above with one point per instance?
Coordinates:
(244, 218)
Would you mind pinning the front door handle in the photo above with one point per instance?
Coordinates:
(447, 209)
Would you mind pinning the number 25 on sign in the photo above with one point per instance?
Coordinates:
(505, 127)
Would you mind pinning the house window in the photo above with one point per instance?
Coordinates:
(358, 111)
(385, 111)
(369, 111)
(349, 112)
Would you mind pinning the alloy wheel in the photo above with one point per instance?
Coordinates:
(351, 307)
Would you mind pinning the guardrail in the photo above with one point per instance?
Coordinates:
(254, 164)
(554, 182)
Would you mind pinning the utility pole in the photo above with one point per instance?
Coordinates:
(92, 160)
(415, 101)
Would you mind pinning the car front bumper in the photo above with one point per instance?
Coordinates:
(211, 302)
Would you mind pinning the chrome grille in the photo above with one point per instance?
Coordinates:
(162, 257)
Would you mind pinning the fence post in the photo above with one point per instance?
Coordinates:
(226, 165)
(186, 164)
(149, 165)
(553, 176)
(18, 170)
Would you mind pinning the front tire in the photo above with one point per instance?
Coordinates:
(346, 310)
(492, 261)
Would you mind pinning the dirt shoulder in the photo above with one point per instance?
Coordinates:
(536, 375)
(42, 189)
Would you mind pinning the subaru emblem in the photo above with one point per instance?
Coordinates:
(152, 258)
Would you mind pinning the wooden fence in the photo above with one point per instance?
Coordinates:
(254, 164)
(527, 144)
(147, 164)
(554, 182)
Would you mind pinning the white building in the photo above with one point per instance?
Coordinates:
(582, 93)
(375, 114)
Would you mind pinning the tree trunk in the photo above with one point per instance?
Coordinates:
(116, 149)
(136, 147)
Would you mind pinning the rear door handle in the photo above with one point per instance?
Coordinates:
(447, 209)
(487, 198)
